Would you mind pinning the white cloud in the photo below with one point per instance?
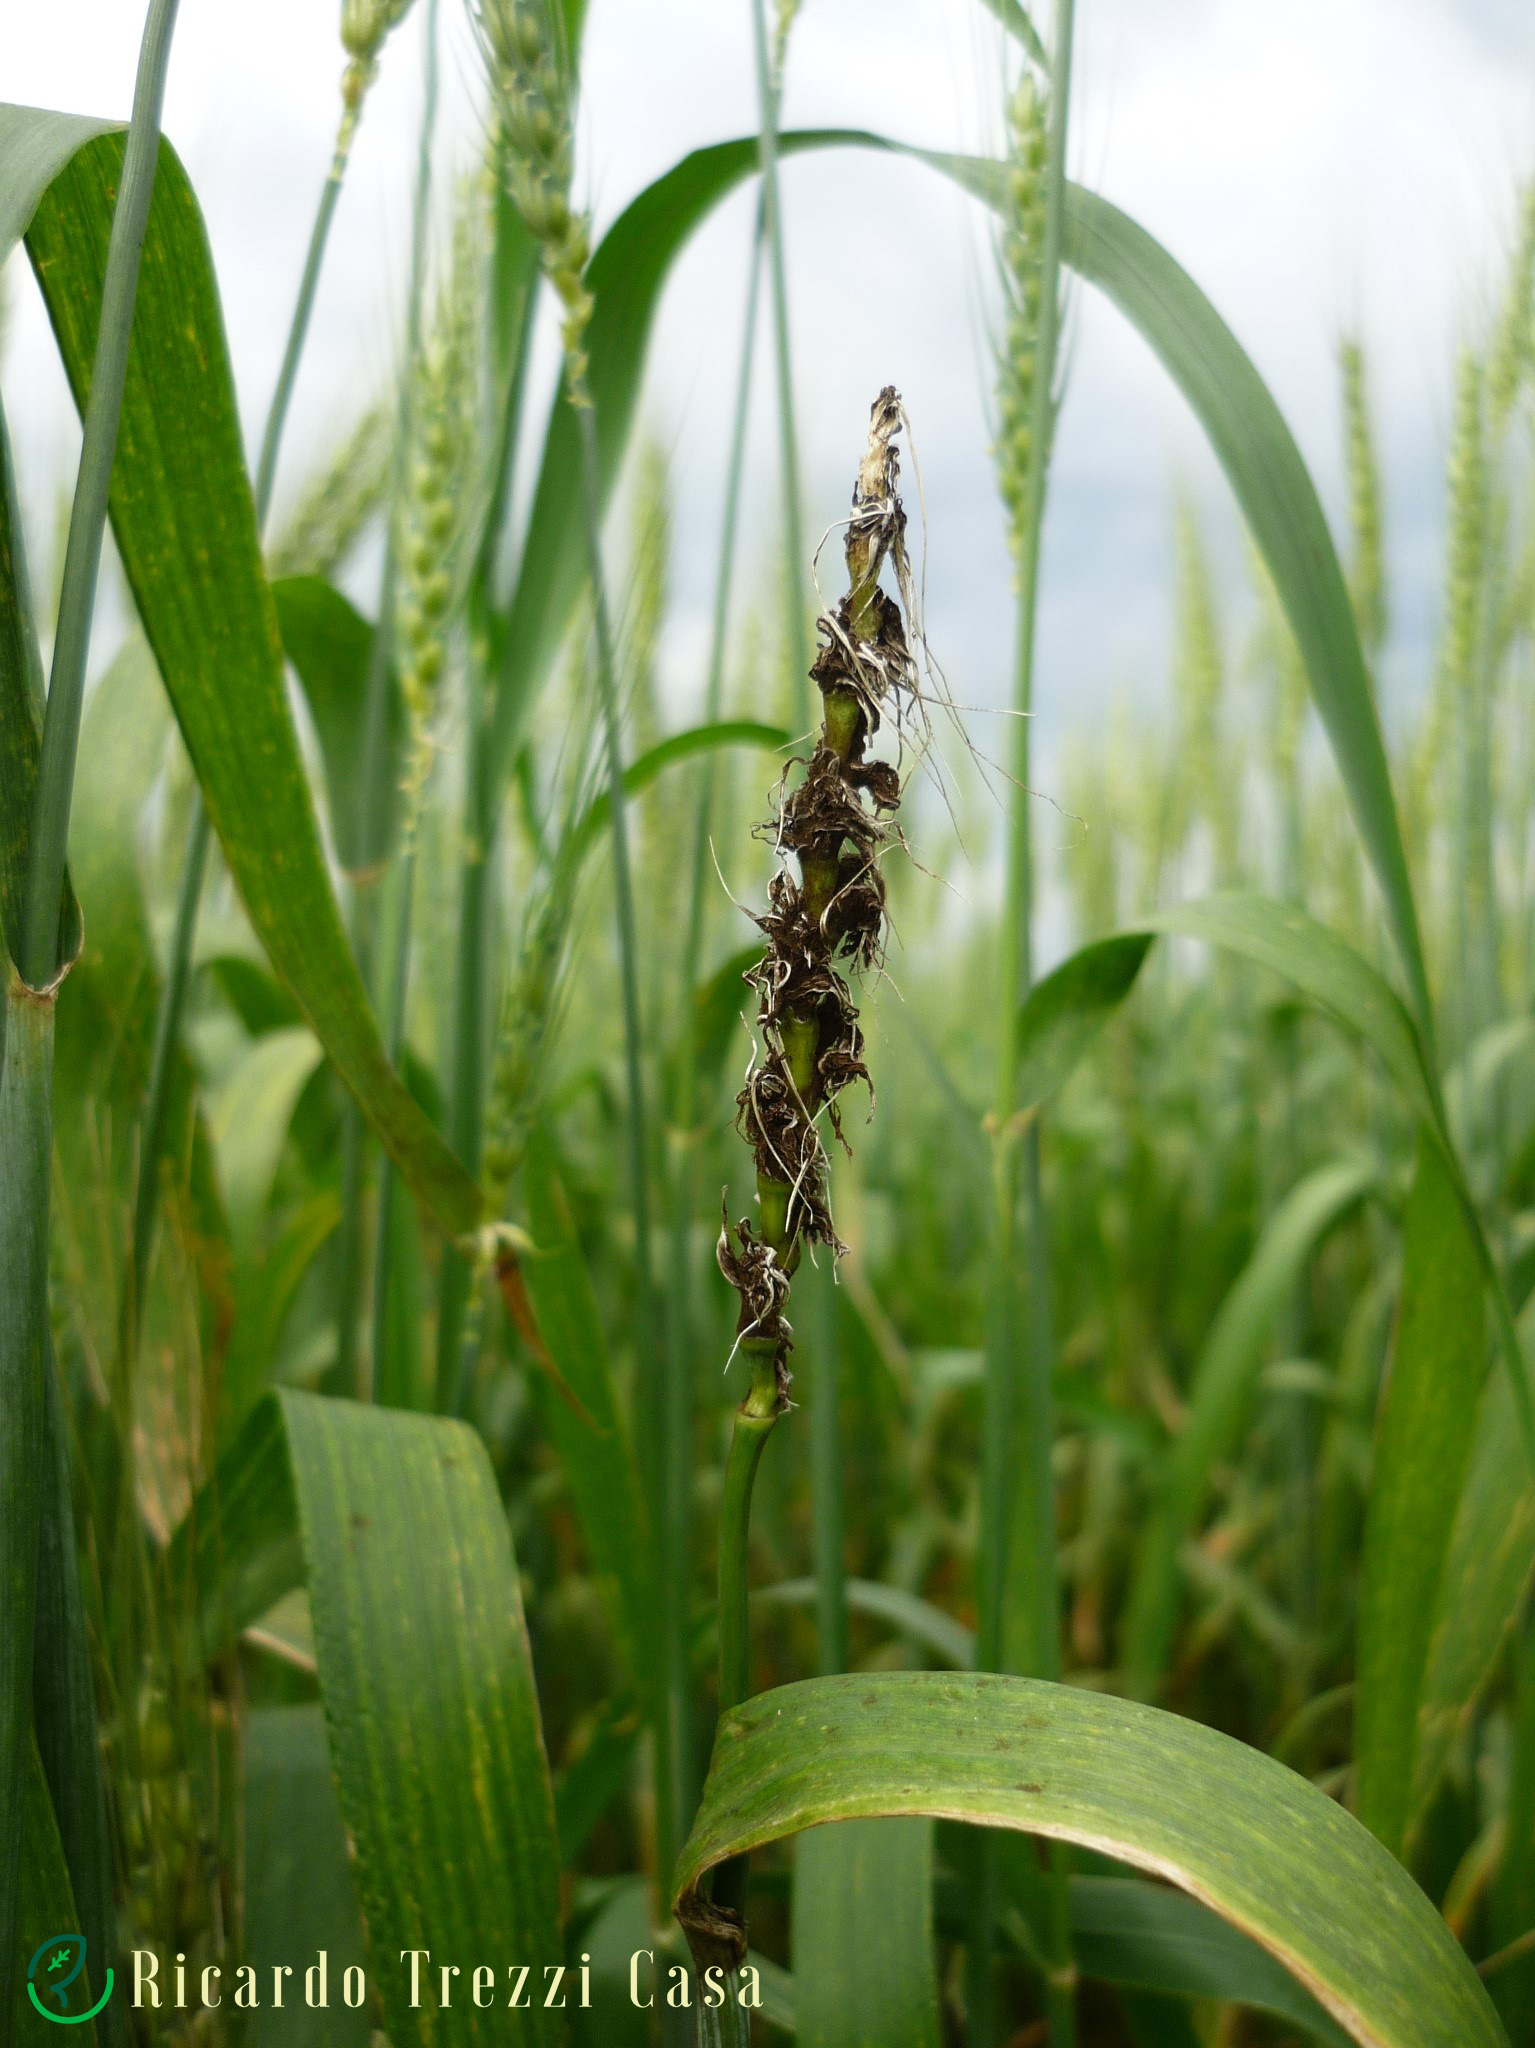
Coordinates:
(1314, 166)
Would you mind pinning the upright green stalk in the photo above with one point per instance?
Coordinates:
(26, 1469)
(88, 514)
(797, 640)
(36, 1519)
(685, 1320)
(1023, 1633)
(456, 1341)
(434, 508)
(535, 90)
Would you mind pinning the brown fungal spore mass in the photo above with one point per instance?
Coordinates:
(825, 914)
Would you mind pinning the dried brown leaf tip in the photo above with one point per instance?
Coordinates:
(826, 906)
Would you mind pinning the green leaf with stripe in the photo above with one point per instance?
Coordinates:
(186, 532)
(1262, 1847)
(394, 1522)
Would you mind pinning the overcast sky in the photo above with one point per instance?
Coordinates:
(1326, 164)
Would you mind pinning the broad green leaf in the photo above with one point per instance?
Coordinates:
(1219, 1397)
(330, 645)
(1064, 1013)
(681, 746)
(106, 1029)
(865, 1973)
(257, 998)
(1486, 1570)
(1279, 501)
(186, 533)
(299, 1895)
(593, 1444)
(1262, 1847)
(248, 1118)
(1423, 1444)
(264, 1294)
(1151, 1938)
(949, 1640)
(1326, 969)
(425, 1671)
(1020, 27)
(703, 1038)
(239, 1550)
(427, 1680)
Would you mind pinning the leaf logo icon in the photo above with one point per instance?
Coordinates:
(57, 1962)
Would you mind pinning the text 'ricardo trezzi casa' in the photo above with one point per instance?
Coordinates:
(517, 1986)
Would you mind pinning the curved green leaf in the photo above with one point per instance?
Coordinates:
(395, 1523)
(1218, 1400)
(948, 1639)
(427, 1680)
(248, 1118)
(1427, 1422)
(1020, 27)
(681, 746)
(1064, 1013)
(1328, 970)
(627, 273)
(1264, 467)
(186, 532)
(1262, 1847)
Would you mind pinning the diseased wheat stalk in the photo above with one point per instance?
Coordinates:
(834, 826)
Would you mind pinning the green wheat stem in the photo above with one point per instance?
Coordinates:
(39, 1511)
(684, 1330)
(303, 308)
(398, 936)
(651, 1348)
(1019, 1418)
(456, 1336)
(39, 961)
(797, 637)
